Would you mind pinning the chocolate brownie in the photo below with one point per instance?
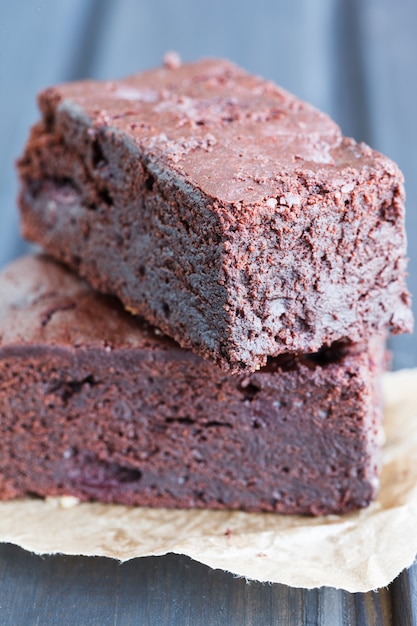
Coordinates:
(96, 405)
(224, 210)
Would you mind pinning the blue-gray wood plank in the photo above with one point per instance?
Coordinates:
(167, 591)
(355, 59)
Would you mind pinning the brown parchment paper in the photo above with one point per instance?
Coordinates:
(357, 552)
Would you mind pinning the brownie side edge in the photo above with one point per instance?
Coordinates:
(120, 427)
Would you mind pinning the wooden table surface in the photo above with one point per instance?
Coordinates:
(355, 59)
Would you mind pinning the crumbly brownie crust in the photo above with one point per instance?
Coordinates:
(96, 405)
(225, 211)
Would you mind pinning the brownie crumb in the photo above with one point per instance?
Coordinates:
(172, 60)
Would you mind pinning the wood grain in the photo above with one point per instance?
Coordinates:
(173, 590)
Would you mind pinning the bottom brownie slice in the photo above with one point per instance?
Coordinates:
(95, 403)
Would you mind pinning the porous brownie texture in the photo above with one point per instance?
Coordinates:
(224, 210)
(95, 405)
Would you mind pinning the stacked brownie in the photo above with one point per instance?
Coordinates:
(242, 226)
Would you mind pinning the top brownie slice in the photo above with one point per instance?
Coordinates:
(224, 210)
